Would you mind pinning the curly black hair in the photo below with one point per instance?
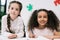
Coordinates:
(53, 21)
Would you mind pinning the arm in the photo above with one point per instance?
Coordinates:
(55, 36)
(29, 34)
(57, 33)
(52, 37)
(4, 27)
(20, 32)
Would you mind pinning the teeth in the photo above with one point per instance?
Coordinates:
(42, 22)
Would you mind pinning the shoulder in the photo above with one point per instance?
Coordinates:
(4, 17)
(20, 18)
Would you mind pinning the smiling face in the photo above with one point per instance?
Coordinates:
(42, 18)
(14, 10)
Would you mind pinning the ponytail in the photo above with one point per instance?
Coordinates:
(54, 21)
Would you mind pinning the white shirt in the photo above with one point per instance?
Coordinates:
(16, 26)
(41, 32)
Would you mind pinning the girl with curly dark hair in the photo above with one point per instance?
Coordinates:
(43, 23)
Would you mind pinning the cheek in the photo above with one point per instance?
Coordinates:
(46, 19)
(38, 20)
(16, 13)
(9, 11)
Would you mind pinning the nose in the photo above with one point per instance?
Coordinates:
(42, 18)
(13, 11)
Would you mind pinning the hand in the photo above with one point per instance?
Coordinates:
(49, 37)
(57, 33)
(11, 36)
(31, 35)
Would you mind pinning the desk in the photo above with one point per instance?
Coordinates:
(40, 38)
(56, 39)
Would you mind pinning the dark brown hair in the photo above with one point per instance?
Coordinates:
(8, 17)
(53, 21)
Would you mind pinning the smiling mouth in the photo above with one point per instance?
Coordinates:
(42, 22)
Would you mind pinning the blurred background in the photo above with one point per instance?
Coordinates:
(29, 6)
(2, 9)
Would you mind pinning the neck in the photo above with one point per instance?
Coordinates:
(41, 27)
(13, 18)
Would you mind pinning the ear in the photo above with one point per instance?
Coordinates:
(19, 15)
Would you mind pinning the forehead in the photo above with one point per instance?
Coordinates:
(14, 5)
(42, 13)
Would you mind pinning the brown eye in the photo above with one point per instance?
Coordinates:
(12, 8)
(40, 16)
(45, 16)
(16, 9)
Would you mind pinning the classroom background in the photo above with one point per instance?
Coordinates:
(29, 6)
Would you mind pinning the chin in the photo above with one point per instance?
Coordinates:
(42, 24)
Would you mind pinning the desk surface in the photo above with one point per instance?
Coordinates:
(40, 38)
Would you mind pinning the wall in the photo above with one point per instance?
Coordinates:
(37, 4)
